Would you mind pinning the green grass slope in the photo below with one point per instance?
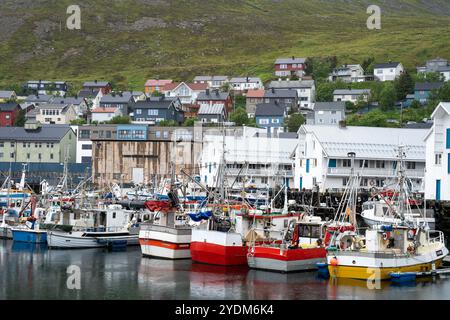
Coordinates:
(129, 41)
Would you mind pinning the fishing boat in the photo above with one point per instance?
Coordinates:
(408, 246)
(110, 225)
(302, 248)
(30, 231)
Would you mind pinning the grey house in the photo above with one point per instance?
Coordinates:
(211, 113)
(327, 113)
(156, 109)
(287, 97)
(123, 101)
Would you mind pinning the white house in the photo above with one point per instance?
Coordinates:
(103, 114)
(388, 71)
(437, 141)
(84, 144)
(187, 92)
(351, 95)
(321, 157)
(55, 113)
(348, 73)
(439, 65)
(243, 84)
(306, 90)
(253, 159)
(214, 82)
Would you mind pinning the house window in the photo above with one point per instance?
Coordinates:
(346, 163)
(28, 156)
(152, 112)
(51, 156)
(39, 156)
(275, 120)
(410, 165)
(86, 147)
(13, 144)
(138, 111)
(363, 163)
(379, 164)
(263, 121)
(264, 180)
(11, 155)
(2, 144)
(438, 159)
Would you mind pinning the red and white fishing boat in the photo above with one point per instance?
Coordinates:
(167, 235)
(301, 249)
(224, 240)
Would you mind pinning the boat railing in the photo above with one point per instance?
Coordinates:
(99, 229)
(436, 239)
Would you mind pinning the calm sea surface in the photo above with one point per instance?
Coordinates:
(34, 272)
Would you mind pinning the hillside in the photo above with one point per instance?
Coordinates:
(129, 41)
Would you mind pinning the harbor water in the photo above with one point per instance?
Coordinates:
(35, 272)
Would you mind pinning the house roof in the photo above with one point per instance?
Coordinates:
(290, 60)
(428, 86)
(39, 98)
(351, 91)
(211, 109)
(330, 106)
(69, 100)
(256, 93)
(368, 142)
(245, 79)
(96, 84)
(210, 78)
(280, 93)
(117, 98)
(157, 82)
(57, 106)
(4, 94)
(443, 105)
(8, 106)
(269, 109)
(104, 110)
(386, 65)
(44, 133)
(192, 86)
(289, 84)
(213, 95)
(419, 125)
(155, 103)
(88, 93)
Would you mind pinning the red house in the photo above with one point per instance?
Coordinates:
(215, 97)
(8, 113)
(287, 67)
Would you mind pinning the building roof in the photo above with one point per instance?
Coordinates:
(125, 97)
(88, 93)
(5, 94)
(9, 106)
(245, 79)
(155, 103)
(290, 60)
(39, 98)
(213, 95)
(211, 109)
(104, 110)
(96, 84)
(210, 78)
(192, 86)
(419, 125)
(256, 93)
(280, 93)
(330, 106)
(386, 65)
(368, 142)
(269, 109)
(289, 84)
(69, 100)
(157, 82)
(351, 91)
(57, 106)
(44, 133)
(428, 86)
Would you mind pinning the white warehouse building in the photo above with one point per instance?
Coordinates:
(321, 157)
(437, 141)
(253, 159)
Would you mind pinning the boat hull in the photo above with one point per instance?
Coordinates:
(29, 236)
(368, 267)
(218, 248)
(63, 240)
(165, 242)
(290, 260)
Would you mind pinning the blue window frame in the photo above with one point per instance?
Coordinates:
(307, 165)
(301, 183)
(332, 163)
(438, 190)
(448, 139)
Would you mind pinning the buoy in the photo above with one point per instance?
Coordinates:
(334, 262)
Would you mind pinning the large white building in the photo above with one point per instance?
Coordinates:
(321, 157)
(253, 159)
(437, 141)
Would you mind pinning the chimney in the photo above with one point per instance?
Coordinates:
(293, 57)
(273, 90)
(95, 80)
(247, 78)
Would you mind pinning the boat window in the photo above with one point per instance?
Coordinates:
(385, 211)
(305, 231)
(315, 231)
(286, 223)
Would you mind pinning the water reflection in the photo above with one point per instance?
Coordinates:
(34, 272)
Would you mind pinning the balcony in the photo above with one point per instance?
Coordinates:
(375, 172)
(260, 172)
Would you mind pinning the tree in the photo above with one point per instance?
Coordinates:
(368, 65)
(167, 123)
(324, 91)
(239, 116)
(189, 122)
(388, 97)
(20, 119)
(416, 104)
(78, 122)
(404, 85)
(294, 121)
(429, 77)
(119, 120)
